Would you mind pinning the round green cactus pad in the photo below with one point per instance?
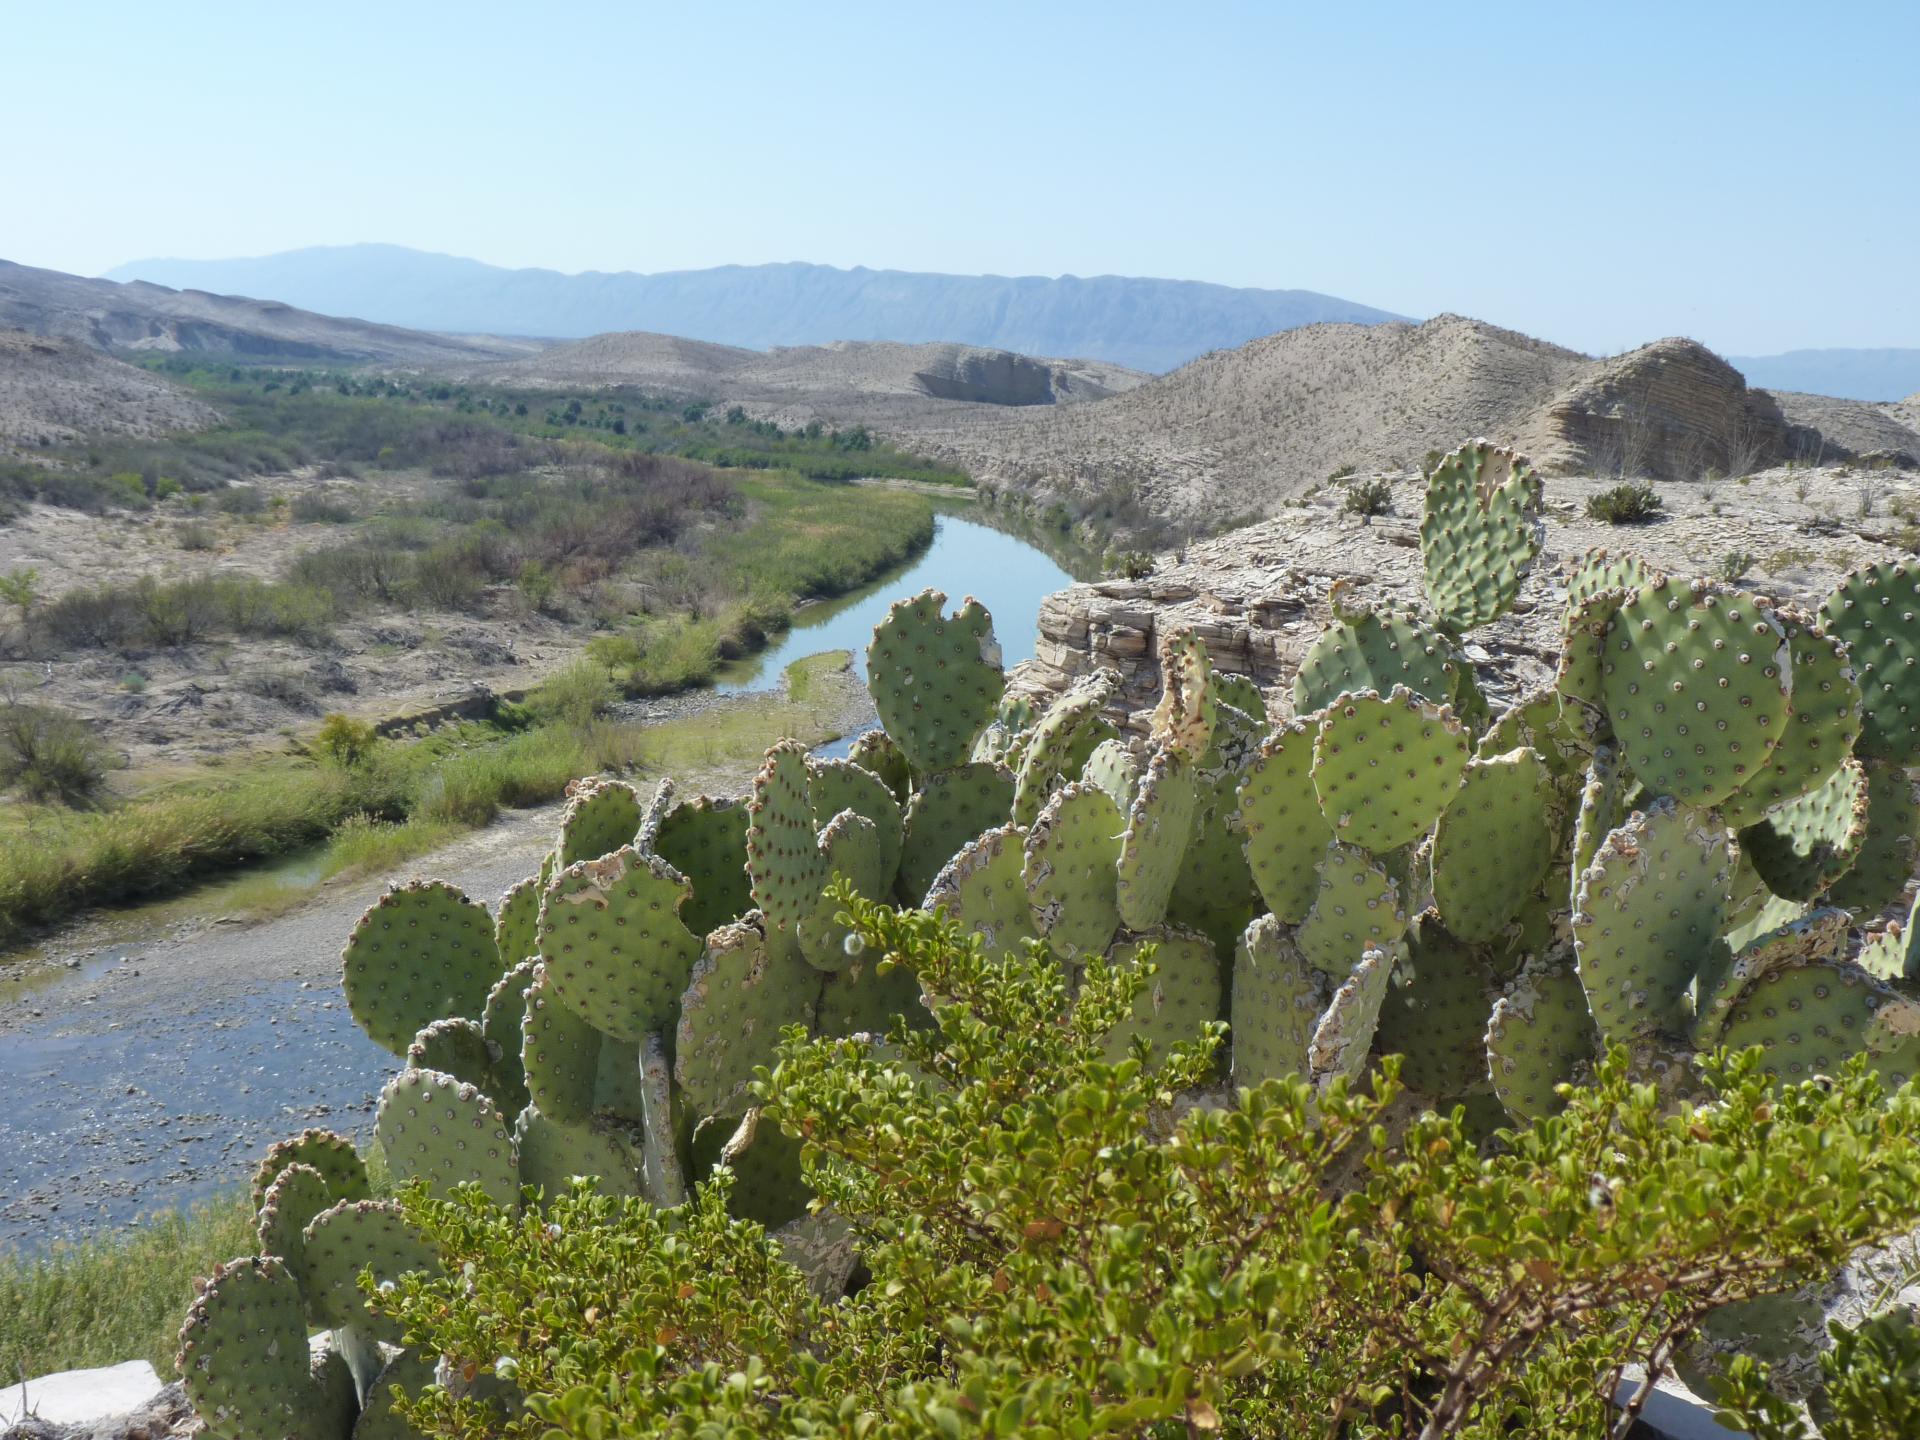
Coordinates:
(601, 816)
(1278, 999)
(423, 952)
(1384, 767)
(1071, 876)
(1159, 824)
(1541, 1035)
(433, 1127)
(244, 1362)
(745, 990)
(935, 678)
(1376, 650)
(1480, 532)
(345, 1241)
(1875, 613)
(950, 809)
(784, 863)
(984, 888)
(613, 944)
(1285, 833)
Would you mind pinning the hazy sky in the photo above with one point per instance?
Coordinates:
(1601, 175)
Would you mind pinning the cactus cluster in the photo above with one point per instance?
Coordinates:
(1686, 840)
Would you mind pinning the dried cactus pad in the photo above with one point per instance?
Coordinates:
(1181, 995)
(1345, 1033)
(516, 919)
(1823, 722)
(984, 889)
(1875, 612)
(613, 943)
(1278, 999)
(745, 990)
(1375, 650)
(244, 1361)
(663, 1176)
(348, 1239)
(1494, 844)
(1159, 824)
(1385, 767)
(1540, 1036)
(1280, 815)
(1696, 681)
(422, 952)
(1806, 844)
(1357, 908)
(1072, 852)
(432, 1127)
(1893, 951)
(331, 1156)
(784, 862)
(1885, 864)
(1185, 715)
(601, 816)
(950, 809)
(1647, 916)
(1480, 532)
(935, 678)
(551, 1154)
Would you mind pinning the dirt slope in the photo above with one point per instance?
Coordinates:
(53, 391)
(140, 316)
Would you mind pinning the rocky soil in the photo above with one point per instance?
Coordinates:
(53, 391)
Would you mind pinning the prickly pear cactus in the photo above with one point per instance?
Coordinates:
(1278, 999)
(1048, 757)
(1280, 816)
(1384, 767)
(705, 839)
(601, 816)
(329, 1155)
(1356, 908)
(950, 809)
(984, 887)
(613, 944)
(935, 678)
(1494, 843)
(432, 1127)
(1071, 870)
(784, 862)
(1480, 533)
(1181, 995)
(341, 1243)
(244, 1363)
(744, 991)
(1159, 822)
(1376, 650)
(1541, 1035)
(1874, 614)
(422, 953)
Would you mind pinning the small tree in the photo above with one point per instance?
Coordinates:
(20, 587)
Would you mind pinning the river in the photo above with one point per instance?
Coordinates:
(154, 1071)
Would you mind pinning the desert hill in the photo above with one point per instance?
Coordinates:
(55, 390)
(1234, 434)
(1146, 324)
(141, 316)
(851, 378)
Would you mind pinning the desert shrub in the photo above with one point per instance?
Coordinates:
(193, 535)
(1131, 564)
(242, 500)
(573, 696)
(20, 588)
(1052, 1252)
(1369, 498)
(286, 687)
(1870, 1387)
(344, 740)
(50, 755)
(88, 617)
(1629, 504)
(318, 508)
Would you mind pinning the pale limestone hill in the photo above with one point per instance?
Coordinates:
(53, 391)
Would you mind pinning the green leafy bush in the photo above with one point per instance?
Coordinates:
(1369, 498)
(1625, 505)
(50, 755)
(1871, 1387)
(1056, 1248)
(344, 740)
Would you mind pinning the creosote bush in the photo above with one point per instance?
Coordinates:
(1056, 1249)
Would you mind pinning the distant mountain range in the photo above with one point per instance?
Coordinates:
(1146, 324)
(1853, 374)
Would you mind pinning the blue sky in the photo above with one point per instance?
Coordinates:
(1597, 174)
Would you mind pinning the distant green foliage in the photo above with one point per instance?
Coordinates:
(1369, 498)
(50, 755)
(1630, 504)
(20, 587)
(344, 740)
(1053, 1254)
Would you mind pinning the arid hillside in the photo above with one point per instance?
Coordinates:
(53, 391)
(851, 379)
(140, 316)
(1233, 434)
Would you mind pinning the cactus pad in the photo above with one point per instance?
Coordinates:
(601, 816)
(1385, 767)
(745, 990)
(295, 1197)
(1602, 806)
(516, 919)
(984, 889)
(1696, 681)
(613, 944)
(1493, 845)
(1280, 816)
(935, 678)
(1183, 720)
(500, 1024)
(1808, 1019)
(784, 862)
(854, 851)
(1823, 723)
(423, 952)
(1345, 1033)
(1806, 844)
(1892, 952)
(1878, 877)
(1647, 913)
(1375, 650)
(432, 1127)
(1480, 533)
(1072, 852)
(1241, 692)
(950, 809)
(1875, 612)
(331, 1156)
(1356, 908)
(1159, 822)
(1435, 1012)
(860, 1000)
(877, 751)
(244, 1362)
(573, 1072)
(1581, 675)
(454, 1047)
(836, 785)
(1597, 571)
(1819, 936)
(551, 1154)
(1047, 759)
(1180, 996)
(1540, 1036)
(1114, 768)
(1278, 999)
(342, 1242)
(705, 839)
